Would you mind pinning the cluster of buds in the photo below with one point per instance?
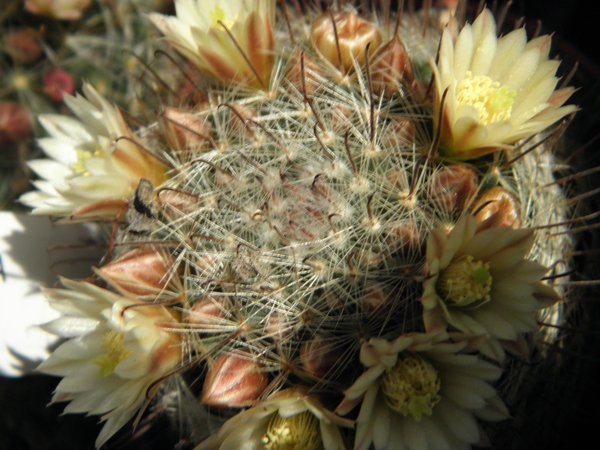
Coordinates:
(311, 230)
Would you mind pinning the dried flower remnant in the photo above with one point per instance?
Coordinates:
(228, 40)
(58, 9)
(56, 82)
(481, 282)
(117, 350)
(499, 91)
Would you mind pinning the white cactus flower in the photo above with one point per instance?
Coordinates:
(229, 40)
(117, 353)
(91, 172)
(499, 91)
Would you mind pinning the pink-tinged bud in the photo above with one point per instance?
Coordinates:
(23, 45)
(318, 357)
(278, 326)
(206, 311)
(239, 116)
(400, 133)
(144, 271)
(391, 68)
(377, 297)
(395, 180)
(56, 82)
(403, 236)
(58, 9)
(353, 34)
(454, 187)
(305, 82)
(15, 123)
(186, 131)
(497, 200)
(177, 203)
(233, 381)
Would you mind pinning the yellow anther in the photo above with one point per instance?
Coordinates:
(411, 386)
(465, 282)
(492, 101)
(298, 432)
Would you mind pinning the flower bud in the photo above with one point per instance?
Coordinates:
(377, 297)
(353, 34)
(317, 357)
(233, 381)
(14, 123)
(144, 271)
(57, 81)
(305, 82)
(403, 236)
(23, 45)
(497, 200)
(390, 68)
(206, 311)
(453, 187)
(175, 203)
(57, 9)
(186, 131)
(399, 133)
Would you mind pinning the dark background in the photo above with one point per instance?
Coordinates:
(565, 413)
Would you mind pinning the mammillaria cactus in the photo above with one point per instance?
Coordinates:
(350, 234)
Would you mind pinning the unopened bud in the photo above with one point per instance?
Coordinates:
(377, 297)
(15, 123)
(318, 356)
(453, 187)
(23, 45)
(305, 81)
(177, 203)
(399, 133)
(206, 311)
(186, 131)
(494, 201)
(233, 381)
(239, 116)
(352, 33)
(278, 326)
(56, 82)
(403, 236)
(144, 271)
(390, 68)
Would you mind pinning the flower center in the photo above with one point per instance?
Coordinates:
(218, 15)
(298, 432)
(112, 342)
(492, 101)
(411, 386)
(465, 282)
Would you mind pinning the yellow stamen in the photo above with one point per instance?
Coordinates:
(298, 432)
(218, 15)
(492, 101)
(79, 165)
(112, 342)
(465, 282)
(411, 387)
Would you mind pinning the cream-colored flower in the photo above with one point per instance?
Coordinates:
(480, 282)
(289, 419)
(422, 391)
(58, 9)
(499, 91)
(117, 352)
(230, 40)
(91, 173)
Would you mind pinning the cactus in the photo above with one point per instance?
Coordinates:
(345, 221)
